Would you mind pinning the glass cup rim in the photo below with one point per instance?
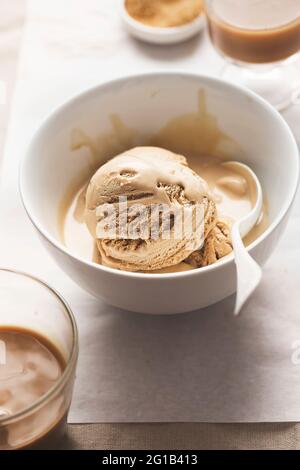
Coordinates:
(208, 7)
(73, 353)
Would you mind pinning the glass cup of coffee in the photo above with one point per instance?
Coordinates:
(38, 356)
(260, 41)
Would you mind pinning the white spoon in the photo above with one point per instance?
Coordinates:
(249, 273)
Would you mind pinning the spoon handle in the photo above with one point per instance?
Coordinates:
(249, 273)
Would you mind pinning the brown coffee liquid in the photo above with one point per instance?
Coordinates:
(29, 367)
(255, 31)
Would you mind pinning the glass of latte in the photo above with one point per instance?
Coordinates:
(260, 41)
(38, 356)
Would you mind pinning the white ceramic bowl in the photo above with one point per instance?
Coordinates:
(163, 36)
(145, 103)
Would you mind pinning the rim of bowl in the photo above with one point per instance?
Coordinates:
(73, 354)
(156, 277)
(167, 31)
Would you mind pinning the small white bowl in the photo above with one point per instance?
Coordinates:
(164, 36)
(145, 103)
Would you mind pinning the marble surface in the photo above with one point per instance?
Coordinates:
(11, 27)
(142, 436)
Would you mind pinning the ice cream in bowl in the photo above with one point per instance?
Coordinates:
(148, 194)
(128, 187)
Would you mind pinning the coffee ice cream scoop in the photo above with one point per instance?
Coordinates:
(150, 177)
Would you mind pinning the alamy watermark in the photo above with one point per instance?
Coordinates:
(2, 353)
(3, 92)
(295, 357)
(296, 96)
(131, 221)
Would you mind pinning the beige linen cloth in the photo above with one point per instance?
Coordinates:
(133, 436)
